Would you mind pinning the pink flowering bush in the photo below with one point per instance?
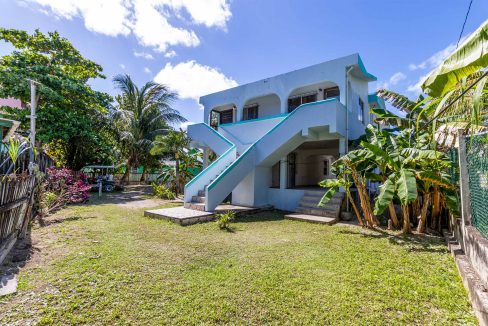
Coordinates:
(61, 187)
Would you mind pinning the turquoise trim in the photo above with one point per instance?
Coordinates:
(236, 162)
(218, 134)
(363, 69)
(204, 171)
(254, 120)
(373, 98)
(214, 162)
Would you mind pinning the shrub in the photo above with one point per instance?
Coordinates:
(223, 220)
(161, 191)
(62, 186)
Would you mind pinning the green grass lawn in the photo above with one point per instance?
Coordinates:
(108, 264)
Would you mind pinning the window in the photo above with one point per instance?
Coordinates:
(361, 110)
(250, 112)
(214, 118)
(332, 92)
(298, 100)
(226, 116)
(326, 167)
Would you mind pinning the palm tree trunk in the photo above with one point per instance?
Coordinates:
(351, 200)
(177, 175)
(143, 175)
(125, 177)
(423, 213)
(406, 220)
(393, 215)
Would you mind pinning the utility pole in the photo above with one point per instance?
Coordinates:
(32, 136)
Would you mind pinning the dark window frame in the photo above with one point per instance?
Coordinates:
(250, 112)
(332, 92)
(361, 110)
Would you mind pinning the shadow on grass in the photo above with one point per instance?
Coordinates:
(413, 242)
(43, 222)
(259, 217)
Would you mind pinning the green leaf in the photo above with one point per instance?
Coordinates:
(435, 179)
(387, 192)
(327, 196)
(471, 56)
(374, 177)
(406, 185)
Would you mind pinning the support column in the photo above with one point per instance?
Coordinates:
(284, 105)
(238, 113)
(342, 146)
(205, 158)
(283, 173)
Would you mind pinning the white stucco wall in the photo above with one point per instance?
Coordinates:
(269, 105)
(247, 132)
(283, 85)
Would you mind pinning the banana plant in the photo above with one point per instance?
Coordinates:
(350, 169)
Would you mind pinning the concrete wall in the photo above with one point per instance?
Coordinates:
(276, 90)
(247, 132)
(285, 199)
(269, 105)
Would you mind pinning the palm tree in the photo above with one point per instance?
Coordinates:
(172, 144)
(139, 115)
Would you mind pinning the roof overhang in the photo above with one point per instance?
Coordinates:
(359, 71)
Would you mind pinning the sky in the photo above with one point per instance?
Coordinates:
(198, 47)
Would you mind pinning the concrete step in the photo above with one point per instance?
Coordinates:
(328, 206)
(320, 194)
(201, 193)
(317, 212)
(312, 218)
(195, 206)
(198, 199)
(316, 200)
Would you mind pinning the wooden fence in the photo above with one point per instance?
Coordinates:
(43, 160)
(16, 201)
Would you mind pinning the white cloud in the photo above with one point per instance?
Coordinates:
(148, 20)
(153, 29)
(192, 80)
(416, 88)
(397, 77)
(144, 55)
(147, 70)
(209, 12)
(435, 59)
(122, 66)
(170, 54)
(394, 79)
(108, 17)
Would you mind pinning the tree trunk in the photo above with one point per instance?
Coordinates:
(364, 199)
(177, 176)
(423, 213)
(436, 207)
(143, 175)
(125, 177)
(406, 220)
(351, 200)
(393, 215)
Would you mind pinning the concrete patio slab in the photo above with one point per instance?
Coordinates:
(312, 218)
(184, 216)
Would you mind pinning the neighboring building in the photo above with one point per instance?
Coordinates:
(277, 138)
(8, 126)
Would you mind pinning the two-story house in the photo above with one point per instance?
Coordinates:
(276, 138)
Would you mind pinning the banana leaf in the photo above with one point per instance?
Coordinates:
(472, 55)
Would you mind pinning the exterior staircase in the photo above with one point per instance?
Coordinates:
(197, 202)
(308, 209)
(211, 186)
